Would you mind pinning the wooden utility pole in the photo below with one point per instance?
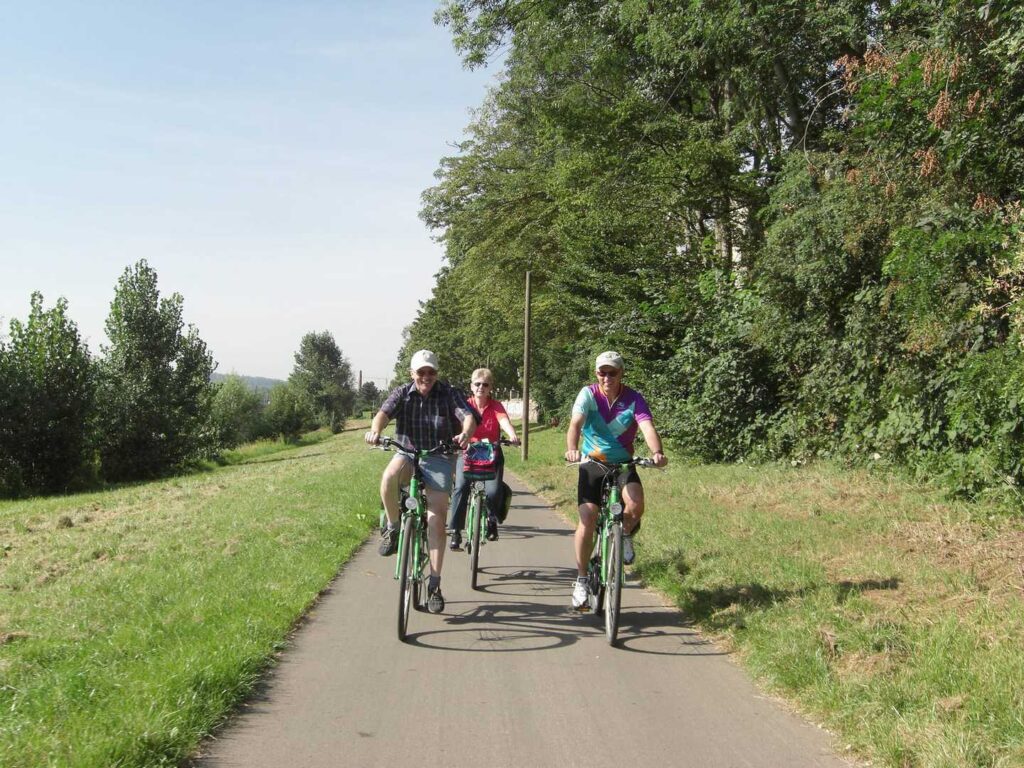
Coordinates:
(526, 374)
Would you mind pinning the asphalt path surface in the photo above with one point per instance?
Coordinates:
(508, 675)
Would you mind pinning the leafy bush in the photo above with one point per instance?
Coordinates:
(237, 412)
(289, 412)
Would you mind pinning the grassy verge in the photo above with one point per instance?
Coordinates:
(889, 614)
(263, 448)
(132, 621)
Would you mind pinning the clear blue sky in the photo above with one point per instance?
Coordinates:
(266, 158)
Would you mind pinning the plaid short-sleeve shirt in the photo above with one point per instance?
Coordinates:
(423, 422)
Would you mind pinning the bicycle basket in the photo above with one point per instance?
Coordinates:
(479, 461)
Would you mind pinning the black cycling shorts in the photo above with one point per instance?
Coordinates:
(592, 475)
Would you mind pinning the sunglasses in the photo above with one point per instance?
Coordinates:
(425, 372)
(481, 384)
(608, 374)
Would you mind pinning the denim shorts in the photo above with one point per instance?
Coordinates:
(437, 472)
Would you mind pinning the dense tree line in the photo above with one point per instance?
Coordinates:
(800, 221)
(146, 407)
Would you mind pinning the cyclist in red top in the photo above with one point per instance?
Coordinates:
(493, 420)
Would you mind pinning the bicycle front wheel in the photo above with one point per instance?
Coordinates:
(613, 584)
(406, 577)
(473, 534)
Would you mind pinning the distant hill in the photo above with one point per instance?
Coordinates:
(257, 383)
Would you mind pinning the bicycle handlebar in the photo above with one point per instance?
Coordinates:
(390, 444)
(636, 461)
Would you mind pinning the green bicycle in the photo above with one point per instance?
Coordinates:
(475, 514)
(606, 566)
(411, 567)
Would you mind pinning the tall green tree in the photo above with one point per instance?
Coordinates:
(46, 399)
(154, 395)
(325, 376)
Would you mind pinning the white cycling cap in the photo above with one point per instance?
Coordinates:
(614, 359)
(423, 359)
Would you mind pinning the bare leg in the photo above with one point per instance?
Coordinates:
(437, 507)
(584, 539)
(396, 474)
(633, 496)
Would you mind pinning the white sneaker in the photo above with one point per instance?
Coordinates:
(581, 595)
(628, 555)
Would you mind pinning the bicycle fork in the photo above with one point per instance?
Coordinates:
(614, 517)
(412, 503)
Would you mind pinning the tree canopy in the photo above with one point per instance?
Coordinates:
(799, 221)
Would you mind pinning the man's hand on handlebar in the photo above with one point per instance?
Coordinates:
(372, 437)
(573, 455)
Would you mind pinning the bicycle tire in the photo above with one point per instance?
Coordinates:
(406, 580)
(613, 587)
(474, 537)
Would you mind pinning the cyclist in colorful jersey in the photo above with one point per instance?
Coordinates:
(426, 412)
(607, 415)
(493, 420)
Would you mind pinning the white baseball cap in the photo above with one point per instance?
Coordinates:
(614, 359)
(423, 359)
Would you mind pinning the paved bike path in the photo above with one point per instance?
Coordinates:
(506, 676)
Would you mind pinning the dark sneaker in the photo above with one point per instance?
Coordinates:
(455, 543)
(388, 542)
(628, 555)
(435, 600)
(492, 529)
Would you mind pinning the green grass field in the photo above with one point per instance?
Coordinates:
(133, 621)
(881, 610)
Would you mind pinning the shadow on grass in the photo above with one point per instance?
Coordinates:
(726, 607)
(275, 457)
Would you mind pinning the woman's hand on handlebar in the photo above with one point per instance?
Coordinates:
(573, 456)
(372, 437)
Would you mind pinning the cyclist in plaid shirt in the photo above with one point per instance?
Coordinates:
(426, 412)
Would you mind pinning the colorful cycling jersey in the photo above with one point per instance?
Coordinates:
(609, 430)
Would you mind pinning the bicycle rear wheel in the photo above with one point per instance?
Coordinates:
(407, 583)
(473, 534)
(613, 585)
